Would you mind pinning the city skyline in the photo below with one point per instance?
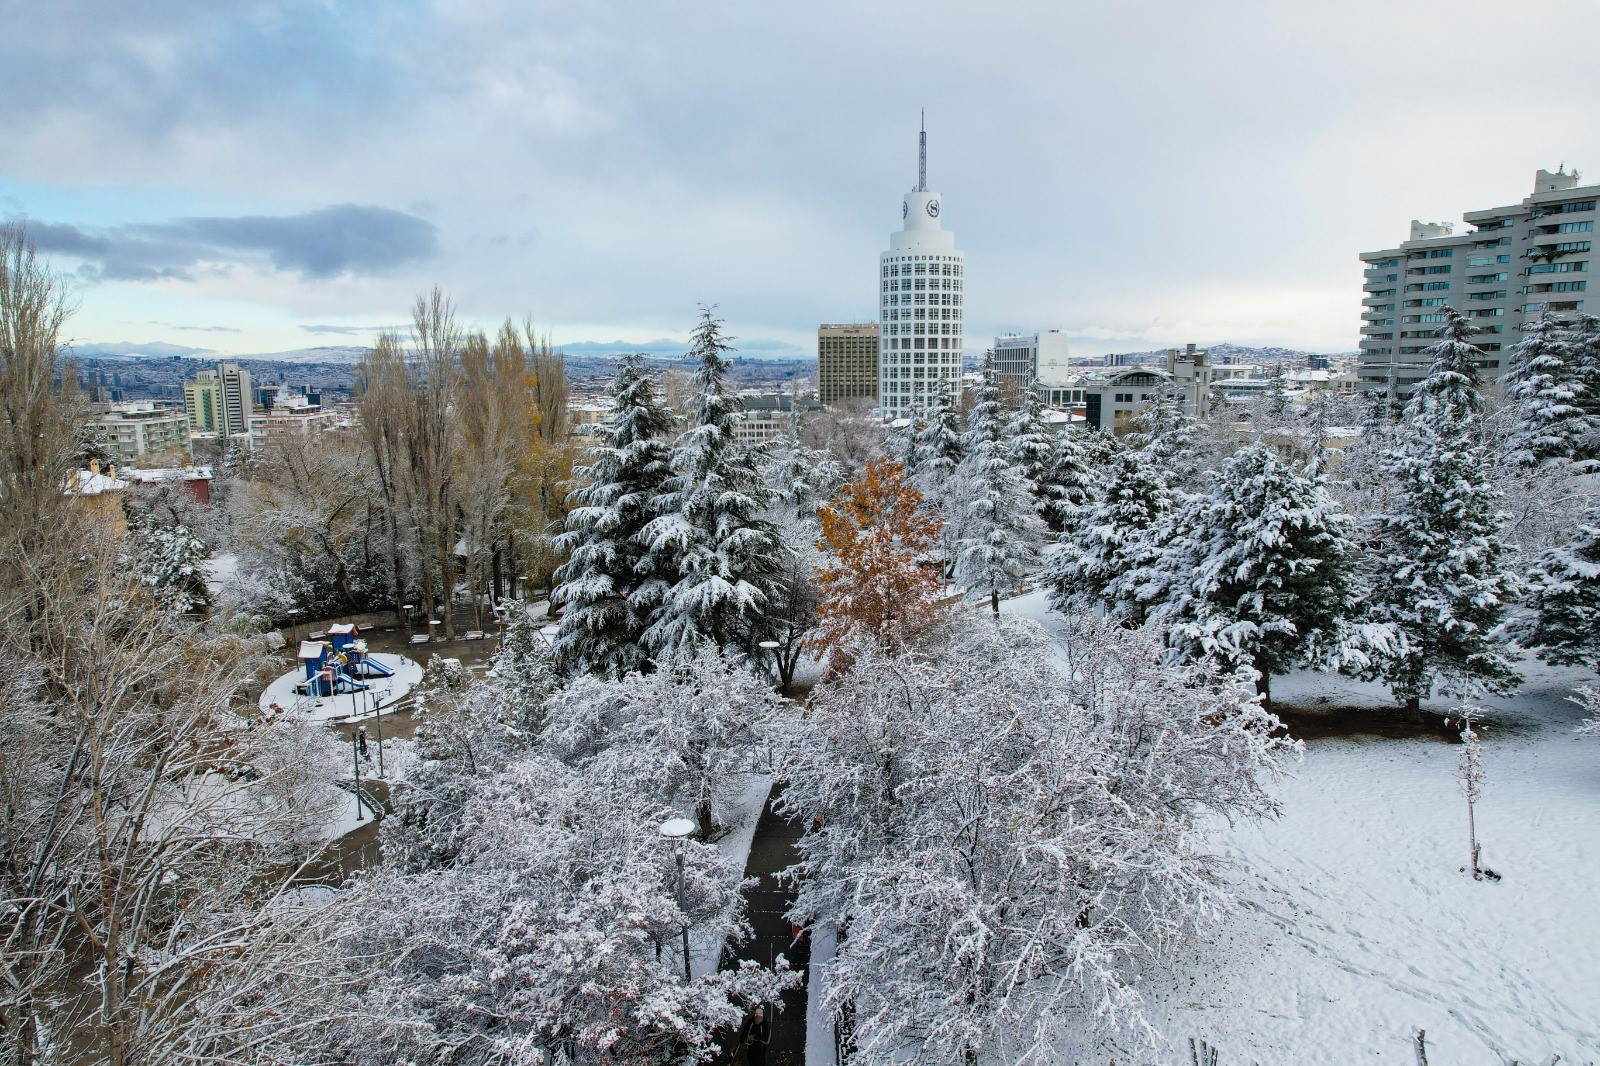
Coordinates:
(269, 177)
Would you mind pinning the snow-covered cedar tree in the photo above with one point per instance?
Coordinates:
(170, 562)
(1563, 598)
(714, 563)
(1583, 338)
(601, 624)
(1259, 572)
(1010, 829)
(936, 445)
(798, 479)
(688, 734)
(1121, 535)
(1169, 436)
(552, 936)
(1438, 578)
(467, 728)
(1001, 536)
(1542, 390)
(878, 583)
(1055, 463)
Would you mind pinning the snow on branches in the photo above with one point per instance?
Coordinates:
(1007, 836)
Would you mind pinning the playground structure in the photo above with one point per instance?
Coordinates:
(325, 673)
(337, 678)
(351, 652)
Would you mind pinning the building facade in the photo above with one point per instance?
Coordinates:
(920, 284)
(767, 416)
(1020, 359)
(1512, 264)
(132, 431)
(202, 402)
(237, 398)
(847, 362)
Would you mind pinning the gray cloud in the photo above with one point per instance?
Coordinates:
(351, 331)
(325, 243)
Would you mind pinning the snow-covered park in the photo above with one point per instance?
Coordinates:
(1358, 924)
(382, 692)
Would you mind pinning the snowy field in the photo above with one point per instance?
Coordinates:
(1359, 925)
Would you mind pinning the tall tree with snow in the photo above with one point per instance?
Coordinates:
(1563, 597)
(1000, 538)
(1438, 579)
(1543, 390)
(714, 563)
(937, 447)
(602, 623)
(1260, 571)
(1008, 838)
(1583, 339)
(1123, 532)
(798, 479)
(1055, 463)
(878, 580)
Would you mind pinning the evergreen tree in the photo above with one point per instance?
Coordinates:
(1261, 573)
(1564, 596)
(1583, 341)
(1543, 390)
(1000, 538)
(1439, 581)
(714, 564)
(1170, 438)
(170, 561)
(601, 624)
(937, 446)
(1054, 463)
(1122, 533)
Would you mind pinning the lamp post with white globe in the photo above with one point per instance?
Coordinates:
(678, 830)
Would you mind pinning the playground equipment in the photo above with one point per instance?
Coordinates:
(325, 670)
(351, 652)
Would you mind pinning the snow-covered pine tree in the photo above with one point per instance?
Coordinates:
(937, 446)
(601, 624)
(1170, 438)
(1260, 573)
(1054, 463)
(1564, 597)
(799, 479)
(1542, 388)
(170, 561)
(714, 564)
(1438, 577)
(1583, 340)
(1123, 531)
(1002, 531)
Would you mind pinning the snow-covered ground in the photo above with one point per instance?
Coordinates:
(1359, 926)
(350, 707)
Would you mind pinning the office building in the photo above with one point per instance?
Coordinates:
(202, 402)
(847, 362)
(237, 398)
(920, 281)
(767, 416)
(1513, 263)
(1020, 359)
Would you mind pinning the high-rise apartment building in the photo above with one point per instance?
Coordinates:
(920, 282)
(847, 362)
(1512, 264)
(237, 398)
(202, 401)
(1020, 359)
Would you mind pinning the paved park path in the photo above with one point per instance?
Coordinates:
(767, 903)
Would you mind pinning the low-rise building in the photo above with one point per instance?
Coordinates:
(292, 414)
(767, 415)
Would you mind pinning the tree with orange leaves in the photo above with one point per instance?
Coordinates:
(878, 583)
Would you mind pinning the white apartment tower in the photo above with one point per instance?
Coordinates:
(1514, 263)
(919, 310)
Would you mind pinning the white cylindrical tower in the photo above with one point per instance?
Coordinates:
(920, 281)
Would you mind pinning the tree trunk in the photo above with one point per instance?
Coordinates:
(1264, 684)
(994, 603)
(702, 813)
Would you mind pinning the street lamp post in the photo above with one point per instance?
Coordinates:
(771, 648)
(677, 830)
(355, 761)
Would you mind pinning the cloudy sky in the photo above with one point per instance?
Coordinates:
(257, 176)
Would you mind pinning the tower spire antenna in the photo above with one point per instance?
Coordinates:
(922, 154)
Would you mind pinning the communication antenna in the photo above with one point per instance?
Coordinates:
(922, 154)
